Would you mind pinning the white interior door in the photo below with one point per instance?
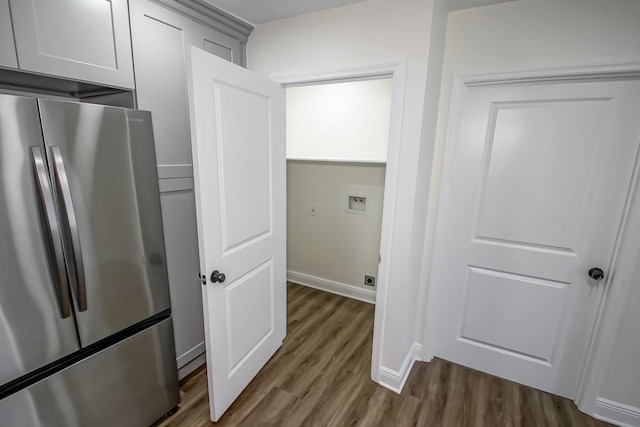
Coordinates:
(238, 137)
(533, 195)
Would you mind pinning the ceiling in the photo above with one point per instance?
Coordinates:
(261, 11)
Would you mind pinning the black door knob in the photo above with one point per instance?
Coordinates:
(216, 276)
(596, 274)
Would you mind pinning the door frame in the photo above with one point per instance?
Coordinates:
(396, 70)
(612, 302)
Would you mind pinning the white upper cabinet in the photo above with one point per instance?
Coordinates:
(86, 40)
(7, 45)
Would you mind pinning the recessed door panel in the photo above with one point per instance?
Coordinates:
(77, 39)
(250, 315)
(218, 50)
(244, 164)
(93, 19)
(7, 44)
(507, 312)
(538, 166)
(163, 93)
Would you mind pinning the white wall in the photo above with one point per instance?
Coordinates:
(525, 35)
(333, 244)
(622, 377)
(425, 159)
(345, 121)
(367, 33)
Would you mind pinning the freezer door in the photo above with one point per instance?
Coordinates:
(36, 325)
(103, 167)
(130, 384)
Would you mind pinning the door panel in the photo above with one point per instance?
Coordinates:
(251, 319)
(218, 50)
(548, 160)
(33, 331)
(101, 390)
(239, 162)
(163, 93)
(244, 184)
(77, 39)
(7, 44)
(500, 306)
(178, 217)
(108, 157)
(539, 179)
(160, 37)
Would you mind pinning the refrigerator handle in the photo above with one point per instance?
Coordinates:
(62, 182)
(54, 250)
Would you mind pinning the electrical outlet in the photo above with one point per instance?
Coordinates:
(369, 280)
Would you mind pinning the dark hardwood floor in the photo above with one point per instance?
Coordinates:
(321, 377)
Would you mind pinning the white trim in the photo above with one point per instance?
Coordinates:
(612, 304)
(365, 72)
(191, 354)
(616, 413)
(310, 159)
(192, 366)
(578, 72)
(171, 185)
(395, 380)
(349, 291)
(397, 70)
(175, 171)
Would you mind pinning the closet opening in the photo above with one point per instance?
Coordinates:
(338, 134)
(337, 140)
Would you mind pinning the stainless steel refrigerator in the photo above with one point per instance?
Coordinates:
(86, 337)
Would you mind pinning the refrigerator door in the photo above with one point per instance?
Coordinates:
(130, 384)
(103, 167)
(36, 325)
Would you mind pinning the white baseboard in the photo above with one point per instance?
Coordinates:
(616, 413)
(395, 380)
(192, 366)
(191, 354)
(338, 288)
(191, 360)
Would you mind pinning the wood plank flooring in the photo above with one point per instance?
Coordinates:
(321, 377)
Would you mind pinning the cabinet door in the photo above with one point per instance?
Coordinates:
(218, 44)
(75, 39)
(179, 218)
(159, 38)
(7, 44)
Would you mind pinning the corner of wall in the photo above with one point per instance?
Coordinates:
(395, 380)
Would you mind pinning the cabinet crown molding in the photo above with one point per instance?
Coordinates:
(210, 15)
